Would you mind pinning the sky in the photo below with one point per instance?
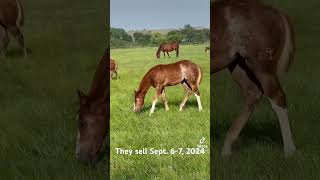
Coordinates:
(159, 14)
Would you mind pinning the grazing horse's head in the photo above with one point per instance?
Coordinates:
(92, 129)
(138, 101)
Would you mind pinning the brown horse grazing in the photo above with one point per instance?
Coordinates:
(163, 75)
(206, 49)
(11, 19)
(93, 116)
(168, 47)
(256, 43)
(113, 68)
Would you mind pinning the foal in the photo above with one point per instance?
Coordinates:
(163, 75)
(113, 68)
(256, 43)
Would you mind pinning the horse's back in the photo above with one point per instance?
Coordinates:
(252, 29)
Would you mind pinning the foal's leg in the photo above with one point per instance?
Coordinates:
(252, 97)
(186, 97)
(116, 74)
(16, 32)
(155, 99)
(196, 93)
(277, 97)
(4, 41)
(165, 101)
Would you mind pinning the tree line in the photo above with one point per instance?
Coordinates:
(119, 38)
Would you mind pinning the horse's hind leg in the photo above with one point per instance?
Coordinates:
(177, 52)
(277, 97)
(16, 32)
(168, 54)
(116, 74)
(164, 99)
(252, 97)
(4, 41)
(186, 97)
(164, 54)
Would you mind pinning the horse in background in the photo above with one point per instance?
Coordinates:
(185, 72)
(168, 47)
(113, 69)
(255, 42)
(207, 49)
(11, 21)
(93, 116)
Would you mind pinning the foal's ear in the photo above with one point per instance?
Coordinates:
(82, 97)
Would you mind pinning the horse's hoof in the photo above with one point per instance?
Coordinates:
(288, 151)
(226, 151)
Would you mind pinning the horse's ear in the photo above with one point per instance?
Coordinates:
(82, 97)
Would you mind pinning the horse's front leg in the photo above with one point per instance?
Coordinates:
(164, 54)
(155, 99)
(168, 54)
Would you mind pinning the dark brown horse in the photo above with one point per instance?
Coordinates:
(93, 117)
(11, 20)
(256, 43)
(113, 69)
(168, 47)
(163, 75)
(206, 49)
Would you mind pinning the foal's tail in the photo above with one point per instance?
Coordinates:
(20, 15)
(286, 57)
(199, 76)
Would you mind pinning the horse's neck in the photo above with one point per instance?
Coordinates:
(144, 85)
(99, 89)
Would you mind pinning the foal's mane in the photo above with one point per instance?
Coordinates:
(98, 90)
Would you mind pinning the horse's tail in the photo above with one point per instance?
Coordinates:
(286, 57)
(199, 78)
(20, 16)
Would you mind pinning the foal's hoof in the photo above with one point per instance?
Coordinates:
(226, 151)
(289, 151)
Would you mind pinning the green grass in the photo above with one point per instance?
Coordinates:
(258, 153)
(38, 98)
(172, 129)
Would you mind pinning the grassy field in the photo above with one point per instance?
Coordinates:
(38, 98)
(258, 154)
(172, 129)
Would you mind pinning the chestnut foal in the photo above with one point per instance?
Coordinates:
(256, 43)
(163, 75)
(113, 69)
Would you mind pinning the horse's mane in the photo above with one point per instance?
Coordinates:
(99, 82)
